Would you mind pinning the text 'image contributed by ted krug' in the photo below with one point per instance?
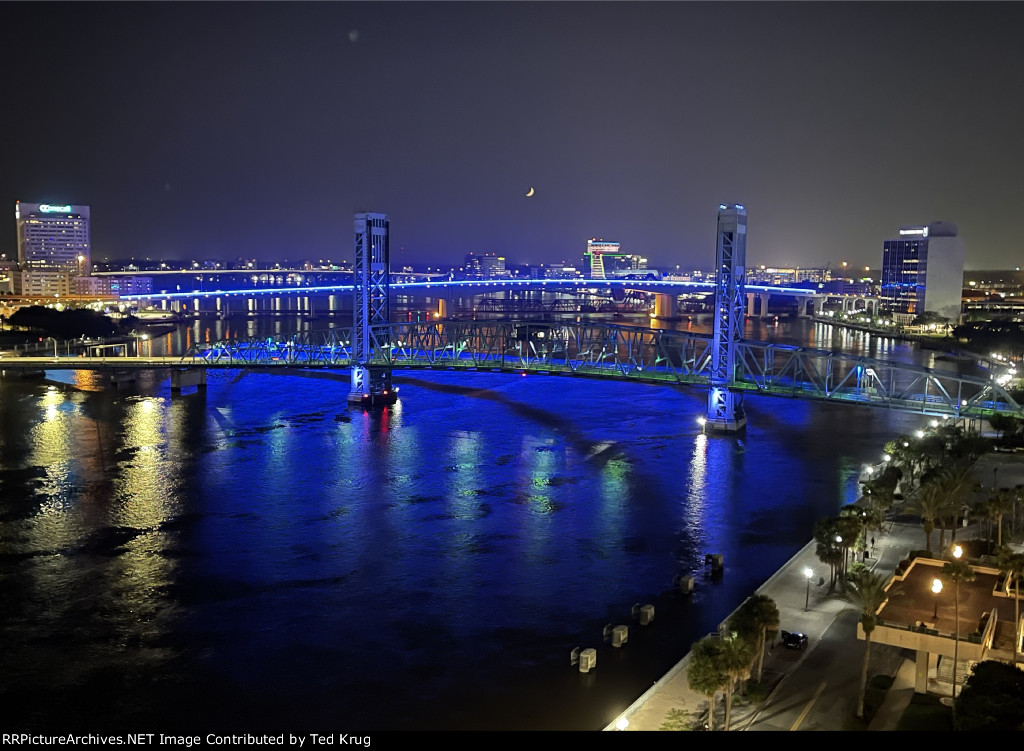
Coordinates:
(188, 741)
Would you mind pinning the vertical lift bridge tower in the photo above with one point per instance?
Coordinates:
(371, 311)
(725, 408)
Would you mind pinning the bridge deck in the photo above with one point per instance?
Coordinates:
(596, 350)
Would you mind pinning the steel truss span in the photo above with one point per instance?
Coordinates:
(624, 352)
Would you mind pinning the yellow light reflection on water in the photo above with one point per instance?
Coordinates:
(143, 481)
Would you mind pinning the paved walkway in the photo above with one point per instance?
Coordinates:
(788, 588)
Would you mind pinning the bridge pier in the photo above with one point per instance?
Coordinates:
(757, 303)
(117, 377)
(810, 307)
(664, 306)
(187, 377)
(442, 308)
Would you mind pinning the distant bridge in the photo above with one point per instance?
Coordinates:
(811, 299)
(582, 349)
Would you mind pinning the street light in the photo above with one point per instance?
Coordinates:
(957, 570)
(808, 574)
(936, 588)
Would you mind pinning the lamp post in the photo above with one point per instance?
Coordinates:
(936, 588)
(957, 552)
(808, 574)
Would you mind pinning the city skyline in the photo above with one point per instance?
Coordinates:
(256, 130)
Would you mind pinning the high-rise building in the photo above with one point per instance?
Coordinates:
(484, 266)
(52, 236)
(597, 253)
(923, 270)
(605, 260)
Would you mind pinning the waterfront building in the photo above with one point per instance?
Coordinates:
(484, 266)
(43, 282)
(53, 247)
(604, 259)
(8, 269)
(556, 271)
(923, 269)
(595, 255)
(112, 285)
(784, 277)
(53, 236)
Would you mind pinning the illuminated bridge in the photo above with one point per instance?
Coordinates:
(725, 364)
(665, 292)
(583, 349)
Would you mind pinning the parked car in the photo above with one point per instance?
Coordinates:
(794, 640)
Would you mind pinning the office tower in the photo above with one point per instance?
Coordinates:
(52, 236)
(484, 266)
(923, 270)
(595, 255)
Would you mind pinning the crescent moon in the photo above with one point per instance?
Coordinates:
(530, 193)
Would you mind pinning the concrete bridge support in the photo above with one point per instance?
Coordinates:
(182, 378)
(753, 309)
(809, 306)
(664, 306)
(117, 377)
(442, 308)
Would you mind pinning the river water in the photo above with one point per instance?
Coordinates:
(259, 557)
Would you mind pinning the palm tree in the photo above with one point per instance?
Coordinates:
(956, 482)
(1012, 564)
(829, 548)
(1000, 503)
(705, 674)
(867, 519)
(928, 503)
(869, 590)
(735, 655)
(753, 620)
(848, 528)
(949, 516)
(957, 571)
(879, 496)
(983, 510)
(903, 458)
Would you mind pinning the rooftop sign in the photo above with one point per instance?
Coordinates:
(47, 208)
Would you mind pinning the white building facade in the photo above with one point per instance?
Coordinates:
(923, 270)
(53, 236)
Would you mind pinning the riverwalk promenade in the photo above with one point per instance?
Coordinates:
(815, 612)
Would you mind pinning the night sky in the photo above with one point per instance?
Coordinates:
(231, 130)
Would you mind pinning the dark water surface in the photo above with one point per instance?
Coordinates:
(259, 557)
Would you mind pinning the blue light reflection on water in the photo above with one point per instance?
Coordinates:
(430, 566)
